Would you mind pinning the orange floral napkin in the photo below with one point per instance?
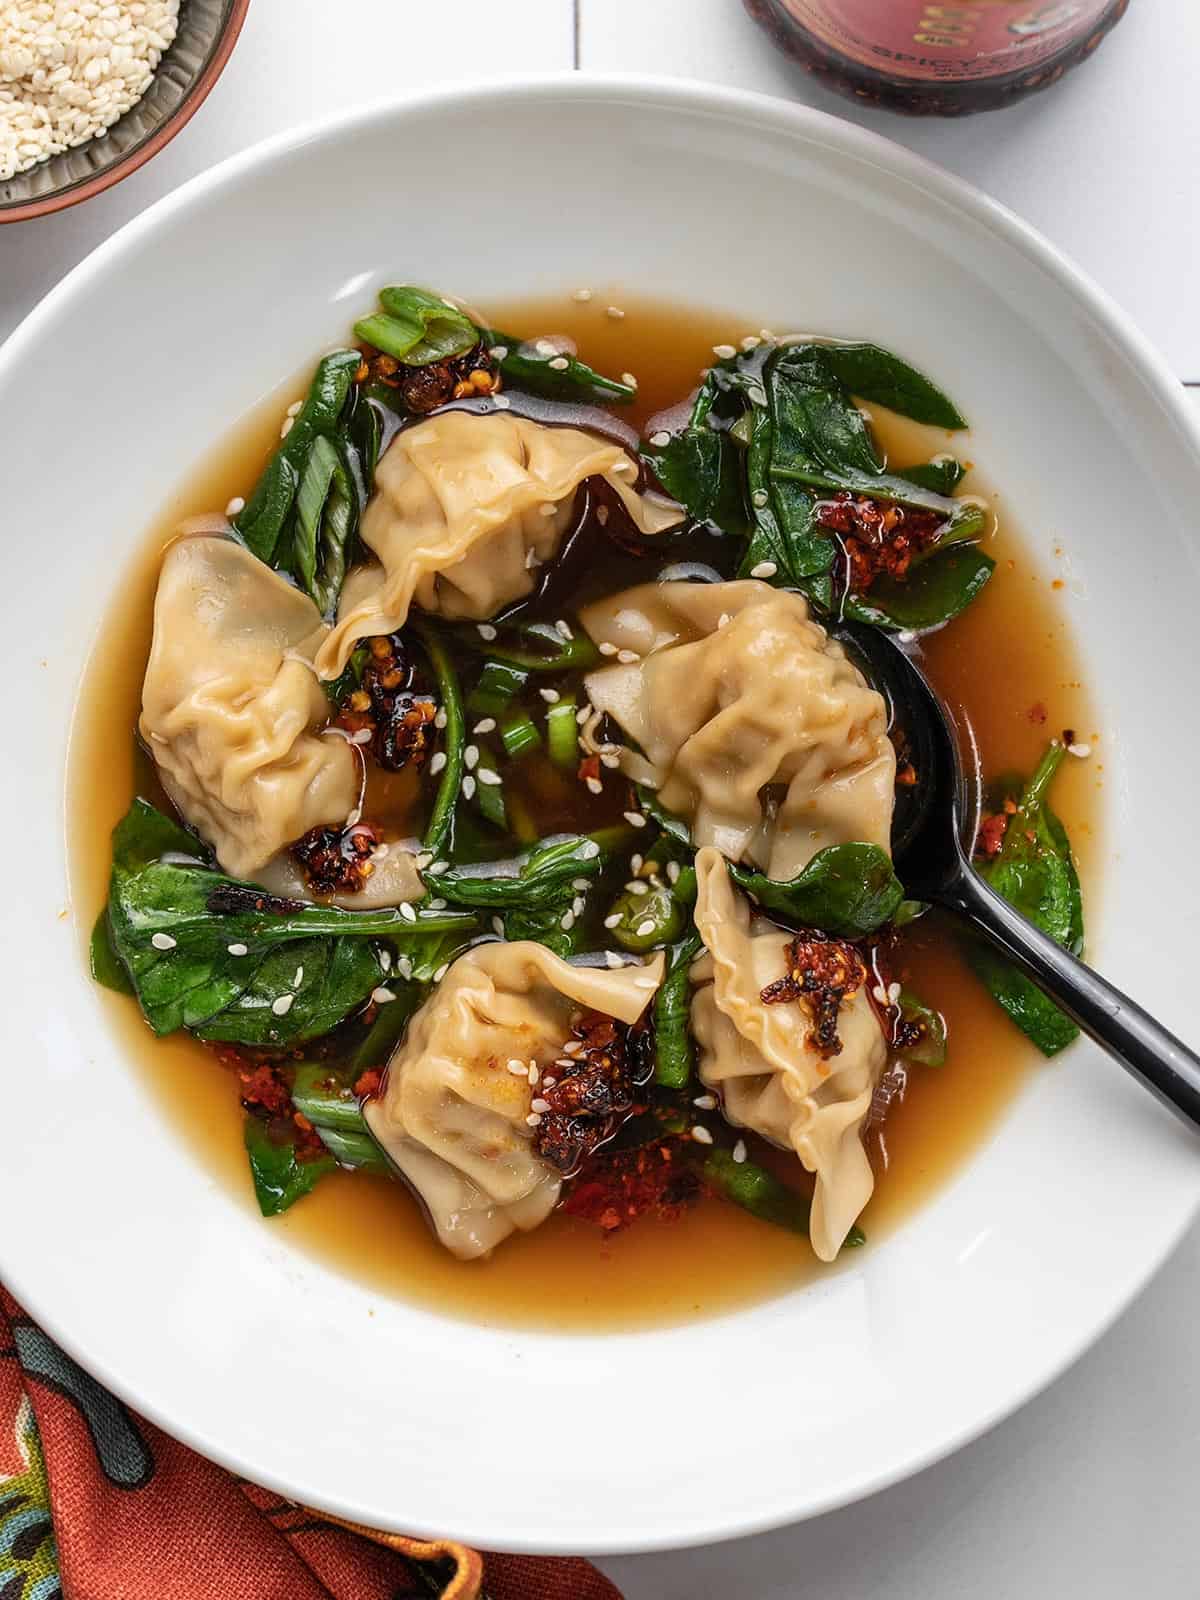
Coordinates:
(96, 1504)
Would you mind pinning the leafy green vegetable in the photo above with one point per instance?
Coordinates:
(441, 818)
(674, 1050)
(105, 963)
(532, 647)
(877, 375)
(756, 1190)
(927, 1044)
(417, 327)
(498, 686)
(332, 1107)
(672, 826)
(846, 889)
(546, 927)
(1035, 872)
(539, 880)
(350, 677)
(232, 962)
(702, 469)
(525, 367)
(280, 1177)
(268, 512)
(648, 918)
(933, 593)
(942, 475)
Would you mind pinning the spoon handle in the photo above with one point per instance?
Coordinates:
(1163, 1063)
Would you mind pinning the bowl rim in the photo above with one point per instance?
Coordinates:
(197, 93)
(1146, 365)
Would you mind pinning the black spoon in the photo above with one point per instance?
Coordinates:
(933, 864)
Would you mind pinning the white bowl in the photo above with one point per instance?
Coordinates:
(160, 1282)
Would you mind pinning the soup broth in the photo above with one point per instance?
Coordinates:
(1007, 667)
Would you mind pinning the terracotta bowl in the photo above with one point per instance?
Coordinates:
(208, 31)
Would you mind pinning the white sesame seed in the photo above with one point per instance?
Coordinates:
(441, 719)
(612, 959)
(382, 996)
(288, 424)
(1079, 749)
(606, 649)
(628, 379)
(583, 713)
(533, 1119)
(581, 884)
(588, 850)
(636, 862)
(404, 967)
(563, 629)
(594, 786)
(501, 402)
(627, 657)
(441, 972)
(468, 787)
(906, 636)
(636, 886)
(486, 631)
(498, 352)
(238, 949)
(490, 776)
(385, 960)
(498, 926)
(705, 1102)
(766, 335)
(724, 620)
(764, 569)
(538, 1104)
(484, 725)
(548, 1080)
(602, 516)
(634, 818)
(739, 1151)
(548, 508)
(578, 905)
(532, 559)
(751, 342)
(298, 978)
(363, 736)
(661, 438)
(407, 912)
(893, 993)
(471, 756)
(295, 408)
(879, 993)
(436, 868)
(163, 941)
(567, 921)
(614, 312)
(437, 763)
(517, 1068)
(423, 859)
(236, 505)
(723, 351)
(282, 1004)
(582, 295)
(672, 872)
(613, 921)
(607, 759)
(545, 347)
(701, 1135)
(560, 363)
(550, 696)
(573, 1047)
(645, 928)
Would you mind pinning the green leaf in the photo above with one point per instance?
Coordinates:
(932, 594)
(928, 1047)
(531, 647)
(703, 470)
(417, 327)
(848, 890)
(524, 367)
(105, 963)
(1035, 872)
(538, 880)
(674, 1048)
(545, 927)
(440, 826)
(227, 951)
(261, 523)
(350, 677)
(280, 1178)
(942, 475)
(879, 376)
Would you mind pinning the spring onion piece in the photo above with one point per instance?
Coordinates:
(756, 1190)
(489, 797)
(674, 1051)
(534, 647)
(417, 327)
(562, 732)
(356, 1150)
(519, 734)
(648, 918)
(525, 367)
(335, 1113)
(441, 818)
(498, 686)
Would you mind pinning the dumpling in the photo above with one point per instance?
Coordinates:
(761, 1059)
(230, 705)
(466, 506)
(754, 725)
(452, 1116)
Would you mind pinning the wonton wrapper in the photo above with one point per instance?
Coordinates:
(230, 703)
(758, 1056)
(464, 507)
(452, 1116)
(740, 691)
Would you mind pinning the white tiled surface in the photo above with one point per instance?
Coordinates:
(1089, 1491)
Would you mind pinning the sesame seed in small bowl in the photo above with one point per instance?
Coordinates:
(91, 89)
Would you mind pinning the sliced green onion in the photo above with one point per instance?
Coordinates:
(562, 732)
(489, 797)
(498, 686)
(519, 734)
(441, 818)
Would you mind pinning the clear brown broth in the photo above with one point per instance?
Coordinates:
(1010, 651)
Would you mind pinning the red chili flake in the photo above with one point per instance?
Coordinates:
(400, 718)
(337, 860)
(263, 1086)
(589, 767)
(877, 536)
(594, 1094)
(368, 1083)
(1037, 712)
(424, 389)
(822, 972)
(618, 1188)
(991, 834)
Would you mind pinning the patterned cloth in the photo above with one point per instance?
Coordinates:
(96, 1504)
